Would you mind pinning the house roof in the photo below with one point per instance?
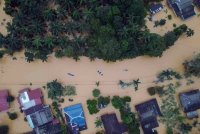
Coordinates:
(148, 112)
(182, 8)
(183, 3)
(111, 124)
(155, 7)
(197, 3)
(187, 12)
(190, 100)
(3, 100)
(75, 117)
(28, 98)
(38, 115)
(49, 128)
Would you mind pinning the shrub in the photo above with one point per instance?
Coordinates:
(157, 89)
(192, 67)
(185, 128)
(96, 92)
(2, 54)
(98, 123)
(100, 132)
(162, 22)
(180, 30)
(169, 17)
(169, 130)
(70, 90)
(25, 119)
(97, 83)
(127, 99)
(170, 38)
(4, 129)
(190, 32)
(92, 106)
(61, 100)
(156, 23)
(104, 101)
(151, 91)
(10, 98)
(12, 116)
(55, 89)
(117, 102)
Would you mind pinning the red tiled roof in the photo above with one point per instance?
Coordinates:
(34, 94)
(24, 90)
(3, 100)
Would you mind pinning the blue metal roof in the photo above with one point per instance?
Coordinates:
(75, 116)
(154, 8)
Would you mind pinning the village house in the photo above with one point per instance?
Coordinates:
(28, 98)
(112, 125)
(148, 112)
(182, 8)
(75, 118)
(190, 102)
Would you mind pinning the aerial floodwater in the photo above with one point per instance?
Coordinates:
(17, 74)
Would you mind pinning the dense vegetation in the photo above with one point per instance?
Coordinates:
(127, 116)
(171, 115)
(168, 74)
(192, 67)
(134, 83)
(56, 90)
(111, 30)
(99, 102)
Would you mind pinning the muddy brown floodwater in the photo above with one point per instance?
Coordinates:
(18, 74)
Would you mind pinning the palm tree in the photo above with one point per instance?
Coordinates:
(76, 15)
(37, 41)
(136, 83)
(88, 13)
(98, 122)
(48, 41)
(49, 14)
(56, 28)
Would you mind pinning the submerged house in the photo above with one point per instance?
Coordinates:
(190, 102)
(75, 118)
(53, 127)
(111, 124)
(3, 100)
(29, 98)
(182, 8)
(148, 112)
(155, 8)
(38, 115)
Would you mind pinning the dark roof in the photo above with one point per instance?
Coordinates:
(111, 124)
(75, 118)
(48, 128)
(190, 100)
(148, 112)
(38, 115)
(187, 12)
(197, 3)
(155, 7)
(182, 8)
(3, 100)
